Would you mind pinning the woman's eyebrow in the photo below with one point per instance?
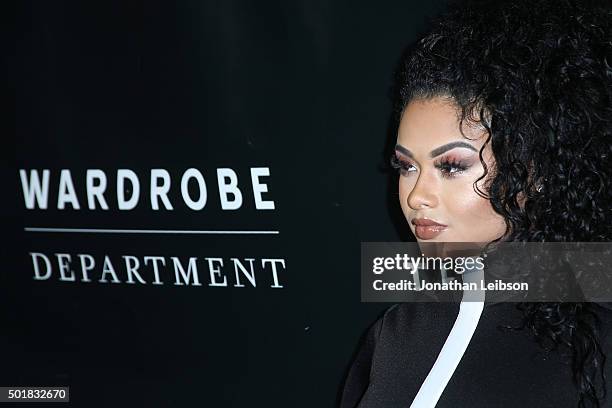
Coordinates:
(403, 150)
(438, 150)
(444, 148)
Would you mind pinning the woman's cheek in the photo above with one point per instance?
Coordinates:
(473, 218)
(464, 209)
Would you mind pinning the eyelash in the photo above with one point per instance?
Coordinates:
(445, 165)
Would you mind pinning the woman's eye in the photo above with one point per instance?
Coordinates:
(401, 166)
(448, 168)
(451, 169)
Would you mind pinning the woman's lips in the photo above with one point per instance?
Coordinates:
(427, 229)
(428, 232)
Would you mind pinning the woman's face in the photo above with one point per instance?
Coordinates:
(438, 167)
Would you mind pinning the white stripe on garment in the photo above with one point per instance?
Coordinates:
(455, 345)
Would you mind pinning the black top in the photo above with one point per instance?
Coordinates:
(500, 368)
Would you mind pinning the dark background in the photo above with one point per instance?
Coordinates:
(299, 87)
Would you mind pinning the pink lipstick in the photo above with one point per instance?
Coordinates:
(427, 229)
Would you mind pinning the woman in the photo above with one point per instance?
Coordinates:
(504, 134)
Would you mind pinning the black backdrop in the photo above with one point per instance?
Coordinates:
(300, 88)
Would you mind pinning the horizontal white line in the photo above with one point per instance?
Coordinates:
(143, 231)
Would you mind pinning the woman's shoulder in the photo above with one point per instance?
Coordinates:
(428, 316)
(404, 316)
(397, 350)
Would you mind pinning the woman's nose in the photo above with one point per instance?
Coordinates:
(423, 194)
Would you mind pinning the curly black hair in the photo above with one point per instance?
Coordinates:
(537, 75)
